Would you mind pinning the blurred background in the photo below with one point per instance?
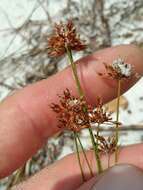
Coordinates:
(24, 28)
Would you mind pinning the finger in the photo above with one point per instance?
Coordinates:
(88, 185)
(26, 118)
(65, 174)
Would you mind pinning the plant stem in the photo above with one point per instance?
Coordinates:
(95, 147)
(81, 94)
(78, 157)
(84, 153)
(98, 130)
(117, 120)
(74, 69)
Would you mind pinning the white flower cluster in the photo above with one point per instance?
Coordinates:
(122, 68)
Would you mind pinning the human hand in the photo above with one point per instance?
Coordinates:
(27, 120)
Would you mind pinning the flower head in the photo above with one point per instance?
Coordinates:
(99, 114)
(106, 145)
(75, 114)
(71, 114)
(65, 35)
(119, 70)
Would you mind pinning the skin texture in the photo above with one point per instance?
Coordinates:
(119, 177)
(27, 121)
(123, 177)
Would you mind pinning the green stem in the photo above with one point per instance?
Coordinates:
(117, 120)
(96, 152)
(98, 130)
(84, 153)
(74, 69)
(78, 157)
(81, 94)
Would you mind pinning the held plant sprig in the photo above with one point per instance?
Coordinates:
(118, 70)
(81, 94)
(107, 146)
(99, 116)
(63, 41)
(71, 116)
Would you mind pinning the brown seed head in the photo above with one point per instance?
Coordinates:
(71, 113)
(118, 70)
(64, 35)
(75, 114)
(99, 114)
(106, 145)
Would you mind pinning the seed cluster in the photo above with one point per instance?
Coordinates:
(64, 35)
(75, 114)
(106, 145)
(118, 70)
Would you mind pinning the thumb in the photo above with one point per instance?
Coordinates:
(89, 185)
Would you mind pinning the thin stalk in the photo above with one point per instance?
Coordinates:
(78, 157)
(81, 94)
(84, 153)
(96, 152)
(98, 130)
(117, 120)
(74, 69)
